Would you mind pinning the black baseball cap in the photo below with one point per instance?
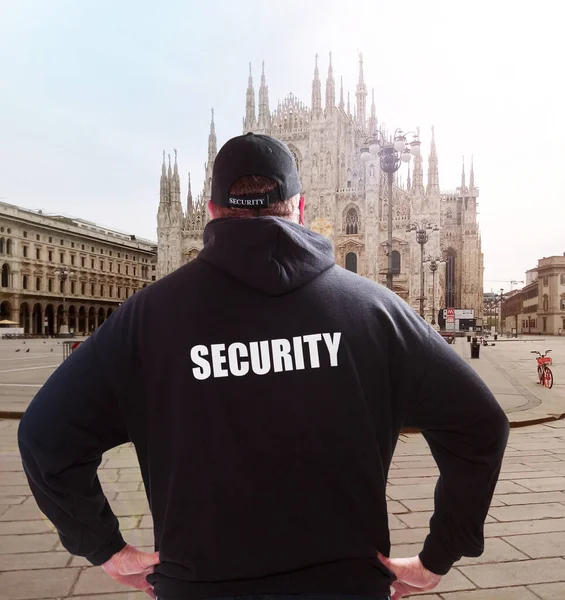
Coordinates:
(259, 155)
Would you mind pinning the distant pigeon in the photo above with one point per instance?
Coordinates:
(24, 342)
(27, 350)
(51, 349)
(18, 350)
(44, 342)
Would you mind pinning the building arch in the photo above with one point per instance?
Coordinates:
(50, 318)
(5, 311)
(72, 318)
(351, 262)
(101, 316)
(25, 317)
(82, 319)
(37, 318)
(91, 319)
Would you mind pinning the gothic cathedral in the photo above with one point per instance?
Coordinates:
(347, 200)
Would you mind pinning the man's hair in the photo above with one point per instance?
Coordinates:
(255, 184)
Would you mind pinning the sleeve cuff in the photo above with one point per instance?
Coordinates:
(436, 558)
(105, 553)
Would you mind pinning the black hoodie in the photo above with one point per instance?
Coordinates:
(264, 389)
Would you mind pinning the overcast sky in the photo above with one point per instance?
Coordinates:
(93, 91)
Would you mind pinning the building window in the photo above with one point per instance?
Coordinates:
(352, 222)
(62, 242)
(544, 324)
(127, 269)
(92, 248)
(101, 265)
(50, 285)
(72, 287)
(119, 292)
(351, 262)
(37, 237)
(111, 291)
(562, 279)
(102, 291)
(50, 255)
(562, 303)
(82, 247)
(152, 267)
(111, 267)
(395, 262)
(564, 324)
(127, 292)
(127, 256)
(134, 271)
(82, 261)
(38, 253)
(25, 234)
(153, 278)
(5, 275)
(119, 268)
(38, 283)
(92, 289)
(101, 250)
(545, 281)
(92, 263)
(24, 282)
(83, 289)
(25, 251)
(62, 257)
(72, 244)
(110, 252)
(450, 276)
(50, 240)
(9, 245)
(119, 255)
(72, 259)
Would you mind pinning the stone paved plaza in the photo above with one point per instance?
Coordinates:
(524, 556)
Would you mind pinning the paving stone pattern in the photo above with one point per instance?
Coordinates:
(524, 556)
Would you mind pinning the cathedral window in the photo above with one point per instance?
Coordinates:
(351, 262)
(396, 262)
(450, 276)
(352, 222)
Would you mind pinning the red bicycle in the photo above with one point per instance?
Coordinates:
(544, 372)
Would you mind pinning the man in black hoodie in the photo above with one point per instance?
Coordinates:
(264, 389)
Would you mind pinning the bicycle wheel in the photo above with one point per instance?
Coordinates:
(548, 378)
(540, 374)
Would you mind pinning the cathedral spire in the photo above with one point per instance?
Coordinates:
(341, 103)
(249, 122)
(212, 143)
(373, 119)
(316, 92)
(170, 171)
(176, 180)
(164, 195)
(408, 181)
(263, 121)
(433, 171)
(348, 105)
(189, 204)
(361, 94)
(472, 177)
(418, 176)
(330, 89)
(463, 186)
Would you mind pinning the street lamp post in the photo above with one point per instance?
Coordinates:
(63, 276)
(434, 261)
(501, 321)
(423, 231)
(391, 153)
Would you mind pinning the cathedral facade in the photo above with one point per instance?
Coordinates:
(347, 199)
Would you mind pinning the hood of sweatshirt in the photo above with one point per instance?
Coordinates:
(269, 254)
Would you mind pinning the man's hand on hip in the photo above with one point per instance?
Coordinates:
(131, 566)
(411, 576)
